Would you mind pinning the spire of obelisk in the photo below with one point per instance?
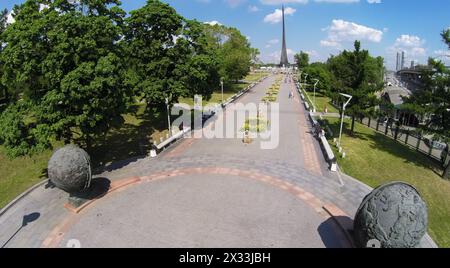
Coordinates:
(284, 58)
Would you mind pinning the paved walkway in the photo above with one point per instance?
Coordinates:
(204, 193)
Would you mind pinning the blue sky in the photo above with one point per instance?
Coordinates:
(324, 27)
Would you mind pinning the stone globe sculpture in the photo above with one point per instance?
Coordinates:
(392, 216)
(70, 169)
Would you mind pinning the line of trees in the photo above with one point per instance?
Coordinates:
(356, 73)
(360, 75)
(70, 69)
(432, 101)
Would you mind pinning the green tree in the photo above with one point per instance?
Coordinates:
(65, 60)
(359, 75)
(320, 71)
(25, 50)
(302, 60)
(237, 55)
(433, 100)
(168, 55)
(233, 51)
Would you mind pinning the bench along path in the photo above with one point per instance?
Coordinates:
(205, 193)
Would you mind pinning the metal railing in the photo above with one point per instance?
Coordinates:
(408, 137)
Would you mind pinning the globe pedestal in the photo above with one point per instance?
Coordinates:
(69, 169)
(99, 187)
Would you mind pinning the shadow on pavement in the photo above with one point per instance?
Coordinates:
(332, 235)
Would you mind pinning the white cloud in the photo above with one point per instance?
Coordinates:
(374, 1)
(413, 46)
(343, 31)
(277, 15)
(332, 44)
(409, 41)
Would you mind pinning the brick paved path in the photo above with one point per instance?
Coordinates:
(204, 193)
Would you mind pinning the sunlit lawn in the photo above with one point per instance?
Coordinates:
(228, 92)
(322, 102)
(375, 159)
(19, 174)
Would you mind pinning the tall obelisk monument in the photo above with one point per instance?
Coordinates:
(284, 58)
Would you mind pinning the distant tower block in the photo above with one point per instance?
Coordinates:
(284, 57)
(403, 60)
(413, 65)
(397, 66)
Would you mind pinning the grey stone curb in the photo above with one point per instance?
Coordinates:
(20, 197)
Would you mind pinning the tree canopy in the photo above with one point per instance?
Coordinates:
(433, 100)
(359, 75)
(320, 71)
(71, 69)
(233, 51)
(301, 59)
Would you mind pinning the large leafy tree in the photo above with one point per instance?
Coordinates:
(359, 75)
(233, 51)
(26, 48)
(433, 100)
(63, 57)
(321, 72)
(168, 55)
(237, 55)
(301, 60)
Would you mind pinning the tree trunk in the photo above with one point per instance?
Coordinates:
(447, 172)
(353, 125)
(88, 143)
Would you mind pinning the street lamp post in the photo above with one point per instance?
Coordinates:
(306, 80)
(344, 105)
(221, 84)
(168, 117)
(315, 85)
(301, 73)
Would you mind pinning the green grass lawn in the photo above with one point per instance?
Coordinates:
(254, 77)
(322, 101)
(19, 174)
(228, 92)
(375, 159)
